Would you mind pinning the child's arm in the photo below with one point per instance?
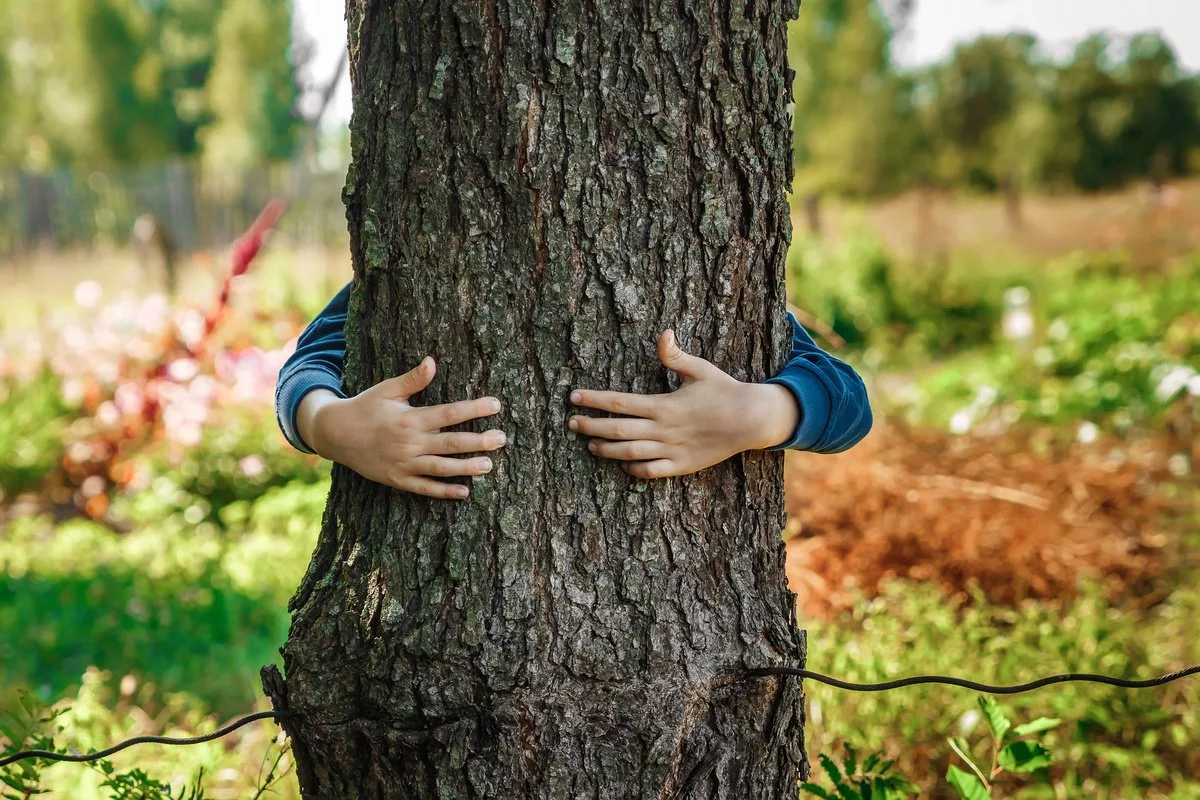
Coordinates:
(377, 433)
(816, 403)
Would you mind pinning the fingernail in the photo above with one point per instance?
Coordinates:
(494, 405)
(592, 446)
(576, 397)
(485, 465)
(573, 424)
(498, 438)
(462, 492)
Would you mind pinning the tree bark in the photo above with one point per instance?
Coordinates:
(538, 188)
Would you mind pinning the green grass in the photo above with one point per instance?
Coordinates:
(195, 611)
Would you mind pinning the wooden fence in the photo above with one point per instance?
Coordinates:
(67, 210)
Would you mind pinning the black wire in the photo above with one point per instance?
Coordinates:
(764, 672)
(116, 748)
(986, 688)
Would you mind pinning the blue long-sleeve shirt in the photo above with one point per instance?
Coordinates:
(834, 411)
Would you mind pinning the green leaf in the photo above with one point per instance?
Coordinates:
(871, 761)
(851, 761)
(892, 787)
(1039, 725)
(816, 791)
(995, 717)
(968, 786)
(1024, 757)
(830, 768)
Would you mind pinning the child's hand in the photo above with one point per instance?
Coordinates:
(709, 419)
(383, 438)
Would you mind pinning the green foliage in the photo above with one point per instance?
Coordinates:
(31, 432)
(1114, 349)
(874, 302)
(232, 465)
(87, 722)
(250, 90)
(853, 126)
(160, 601)
(102, 82)
(999, 111)
(873, 779)
(1009, 753)
(1128, 742)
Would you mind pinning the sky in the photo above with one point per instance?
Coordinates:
(937, 26)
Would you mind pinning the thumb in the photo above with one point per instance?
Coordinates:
(673, 358)
(411, 382)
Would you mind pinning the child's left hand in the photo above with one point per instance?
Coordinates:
(710, 418)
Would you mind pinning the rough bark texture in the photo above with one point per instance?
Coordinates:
(538, 188)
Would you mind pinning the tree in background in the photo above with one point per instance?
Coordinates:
(853, 127)
(251, 91)
(97, 83)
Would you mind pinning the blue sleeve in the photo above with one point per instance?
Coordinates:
(316, 364)
(834, 411)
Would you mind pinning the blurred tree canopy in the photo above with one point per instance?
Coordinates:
(999, 112)
(98, 83)
(101, 83)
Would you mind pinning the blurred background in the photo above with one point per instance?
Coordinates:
(996, 213)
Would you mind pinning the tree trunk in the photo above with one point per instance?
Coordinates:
(539, 188)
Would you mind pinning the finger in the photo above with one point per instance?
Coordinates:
(641, 450)
(618, 429)
(442, 467)
(415, 380)
(631, 405)
(653, 470)
(432, 488)
(443, 416)
(673, 358)
(445, 444)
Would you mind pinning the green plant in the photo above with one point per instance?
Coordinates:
(872, 779)
(1013, 750)
(1135, 744)
(32, 423)
(90, 720)
(33, 726)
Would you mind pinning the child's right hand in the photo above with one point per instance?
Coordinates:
(383, 438)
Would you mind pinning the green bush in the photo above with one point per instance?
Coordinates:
(32, 423)
(1113, 349)
(1136, 744)
(872, 301)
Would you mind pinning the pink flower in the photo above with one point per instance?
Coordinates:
(252, 466)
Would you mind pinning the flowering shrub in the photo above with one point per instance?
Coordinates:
(115, 392)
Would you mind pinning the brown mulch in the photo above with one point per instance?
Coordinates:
(966, 513)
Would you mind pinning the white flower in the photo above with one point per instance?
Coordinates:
(1088, 433)
(960, 423)
(1178, 465)
(1173, 382)
(108, 415)
(182, 370)
(88, 294)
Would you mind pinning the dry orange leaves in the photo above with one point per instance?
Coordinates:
(985, 513)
